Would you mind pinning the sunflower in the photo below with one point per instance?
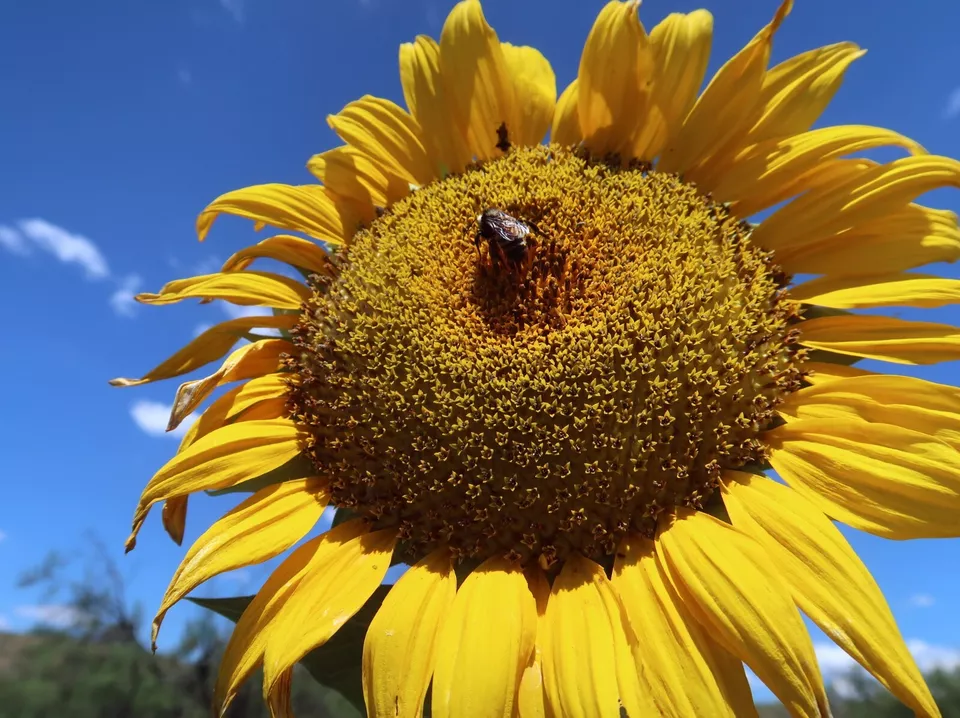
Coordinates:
(559, 413)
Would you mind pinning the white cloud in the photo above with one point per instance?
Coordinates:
(12, 241)
(51, 614)
(122, 299)
(152, 418)
(922, 600)
(835, 664)
(235, 311)
(952, 108)
(65, 246)
(235, 8)
(933, 657)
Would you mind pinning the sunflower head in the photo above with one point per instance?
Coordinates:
(549, 378)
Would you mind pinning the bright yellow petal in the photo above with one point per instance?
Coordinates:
(263, 526)
(884, 338)
(879, 478)
(796, 92)
(758, 172)
(725, 580)
(726, 107)
(384, 132)
(684, 671)
(222, 458)
(485, 644)
(244, 651)
(681, 51)
(831, 210)
(616, 71)
(885, 290)
(297, 252)
(399, 648)
(209, 346)
(827, 580)
(305, 208)
(261, 289)
(924, 406)
(350, 173)
(174, 517)
(565, 129)
(590, 652)
(535, 93)
(822, 372)
(249, 361)
(342, 575)
(530, 696)
(476, 77)
(909, 237)
(444, 133)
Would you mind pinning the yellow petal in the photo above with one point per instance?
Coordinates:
(399, 648)
(222, 458)
(244, 652)
(831, 210)
(535, 93)
(565, 129)
(884, 338)
(906, 237)
(476, 77)
(932, 409)
(796, 92)
(684, 671)
(724, 578)
(726, 107)
(822, 372)
(827, 580)
(896, 289)
(444, 134)
(879, 478)
(616, 71)
(174, 517)
(240, 399)
(485, 644)
(384, 132)
(350, 173)
(342, 575)
(530, 696)
(249, 361)
(826, 173)
(261, 289)
(681, 50)
(590, 652)
(263, 526)
(758, 172)
(297, 252)
(305, 208)
(209, 346)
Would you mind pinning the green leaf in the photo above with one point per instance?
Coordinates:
(298, 467)
(335, 665)
(229, 608)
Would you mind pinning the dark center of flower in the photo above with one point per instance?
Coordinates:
(550, 405)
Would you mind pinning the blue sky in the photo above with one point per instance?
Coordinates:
(123, 119)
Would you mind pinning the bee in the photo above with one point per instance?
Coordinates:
(503, 138)
(506, 236)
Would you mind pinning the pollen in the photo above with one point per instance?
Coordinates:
(552, 405)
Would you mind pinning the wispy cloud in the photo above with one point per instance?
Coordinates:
(952, 108)
(235, 311)
(63, 245)
(922, 600)
(12, 241)
(152, 418)
(122, 299)
(236, 9)
(835, 664)
(51, 614)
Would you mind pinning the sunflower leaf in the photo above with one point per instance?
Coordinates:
(335, 665)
